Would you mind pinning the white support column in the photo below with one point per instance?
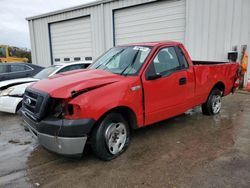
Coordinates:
(248, 67)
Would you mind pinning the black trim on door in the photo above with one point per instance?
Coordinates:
(183, 81)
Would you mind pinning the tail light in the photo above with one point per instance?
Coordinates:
(238, 77)
(237, 82)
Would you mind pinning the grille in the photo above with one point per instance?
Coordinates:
(34, 103)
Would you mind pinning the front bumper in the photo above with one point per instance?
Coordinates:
(9, 104)
(65, 137)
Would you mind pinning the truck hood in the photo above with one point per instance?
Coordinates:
(66, 85)
(13, 82)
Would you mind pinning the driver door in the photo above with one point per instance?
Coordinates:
(165, 95)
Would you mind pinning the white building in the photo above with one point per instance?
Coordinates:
(208, 28)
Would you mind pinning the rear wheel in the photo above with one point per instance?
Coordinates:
(213, 105)
(110, 137)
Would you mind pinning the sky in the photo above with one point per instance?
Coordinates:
(14, 29)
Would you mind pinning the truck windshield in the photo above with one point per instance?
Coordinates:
(45, 73)
(125, 60)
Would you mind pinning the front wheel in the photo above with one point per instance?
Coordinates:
(213, 105)
(110, 137)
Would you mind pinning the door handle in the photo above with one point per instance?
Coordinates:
(183, 81)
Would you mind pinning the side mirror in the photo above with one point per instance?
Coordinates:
(153, 76)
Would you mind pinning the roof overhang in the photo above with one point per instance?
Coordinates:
(95, 3)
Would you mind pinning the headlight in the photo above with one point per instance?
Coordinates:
(58, 110)
(6, 92)
(61, 109)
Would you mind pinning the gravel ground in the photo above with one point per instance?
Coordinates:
(190, 150)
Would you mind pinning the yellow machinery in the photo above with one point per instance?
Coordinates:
(11, 54)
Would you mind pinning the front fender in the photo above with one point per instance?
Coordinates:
(95, 103)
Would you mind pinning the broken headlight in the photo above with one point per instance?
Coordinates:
(58, 109)
(6, 92)
(61, 109)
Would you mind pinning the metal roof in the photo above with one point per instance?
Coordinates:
(95, 3)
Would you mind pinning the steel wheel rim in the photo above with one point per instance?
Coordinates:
(116, 136)
(216, 106)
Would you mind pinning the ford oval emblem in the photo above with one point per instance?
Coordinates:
(28, 101)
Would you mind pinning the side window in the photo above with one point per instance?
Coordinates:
(166, 61)
(3, 69)
(71, 67)
(27, 68)
(17, 68)
(182, 58)
(86, 65)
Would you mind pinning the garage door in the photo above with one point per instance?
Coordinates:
(163, 20)
(71, 40)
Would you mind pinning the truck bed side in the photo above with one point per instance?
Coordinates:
(208, 75)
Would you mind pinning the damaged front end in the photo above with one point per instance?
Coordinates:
(58, 123)
(54, 123)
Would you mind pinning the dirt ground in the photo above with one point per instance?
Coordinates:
(190, 150)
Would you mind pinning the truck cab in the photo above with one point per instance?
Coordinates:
(129, 87)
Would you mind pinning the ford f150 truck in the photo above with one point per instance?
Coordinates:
(128, 87)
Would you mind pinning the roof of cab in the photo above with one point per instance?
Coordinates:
(152, 44)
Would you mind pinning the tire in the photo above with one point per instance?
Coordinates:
(110, 137)
(213, 104)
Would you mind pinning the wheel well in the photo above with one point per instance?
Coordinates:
(220, 86)
(19, 106)
(126, 112)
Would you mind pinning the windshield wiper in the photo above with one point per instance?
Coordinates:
(131, 64)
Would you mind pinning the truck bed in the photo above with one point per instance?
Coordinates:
(208, 73)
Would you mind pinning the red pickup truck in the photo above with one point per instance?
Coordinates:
(129, 87)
